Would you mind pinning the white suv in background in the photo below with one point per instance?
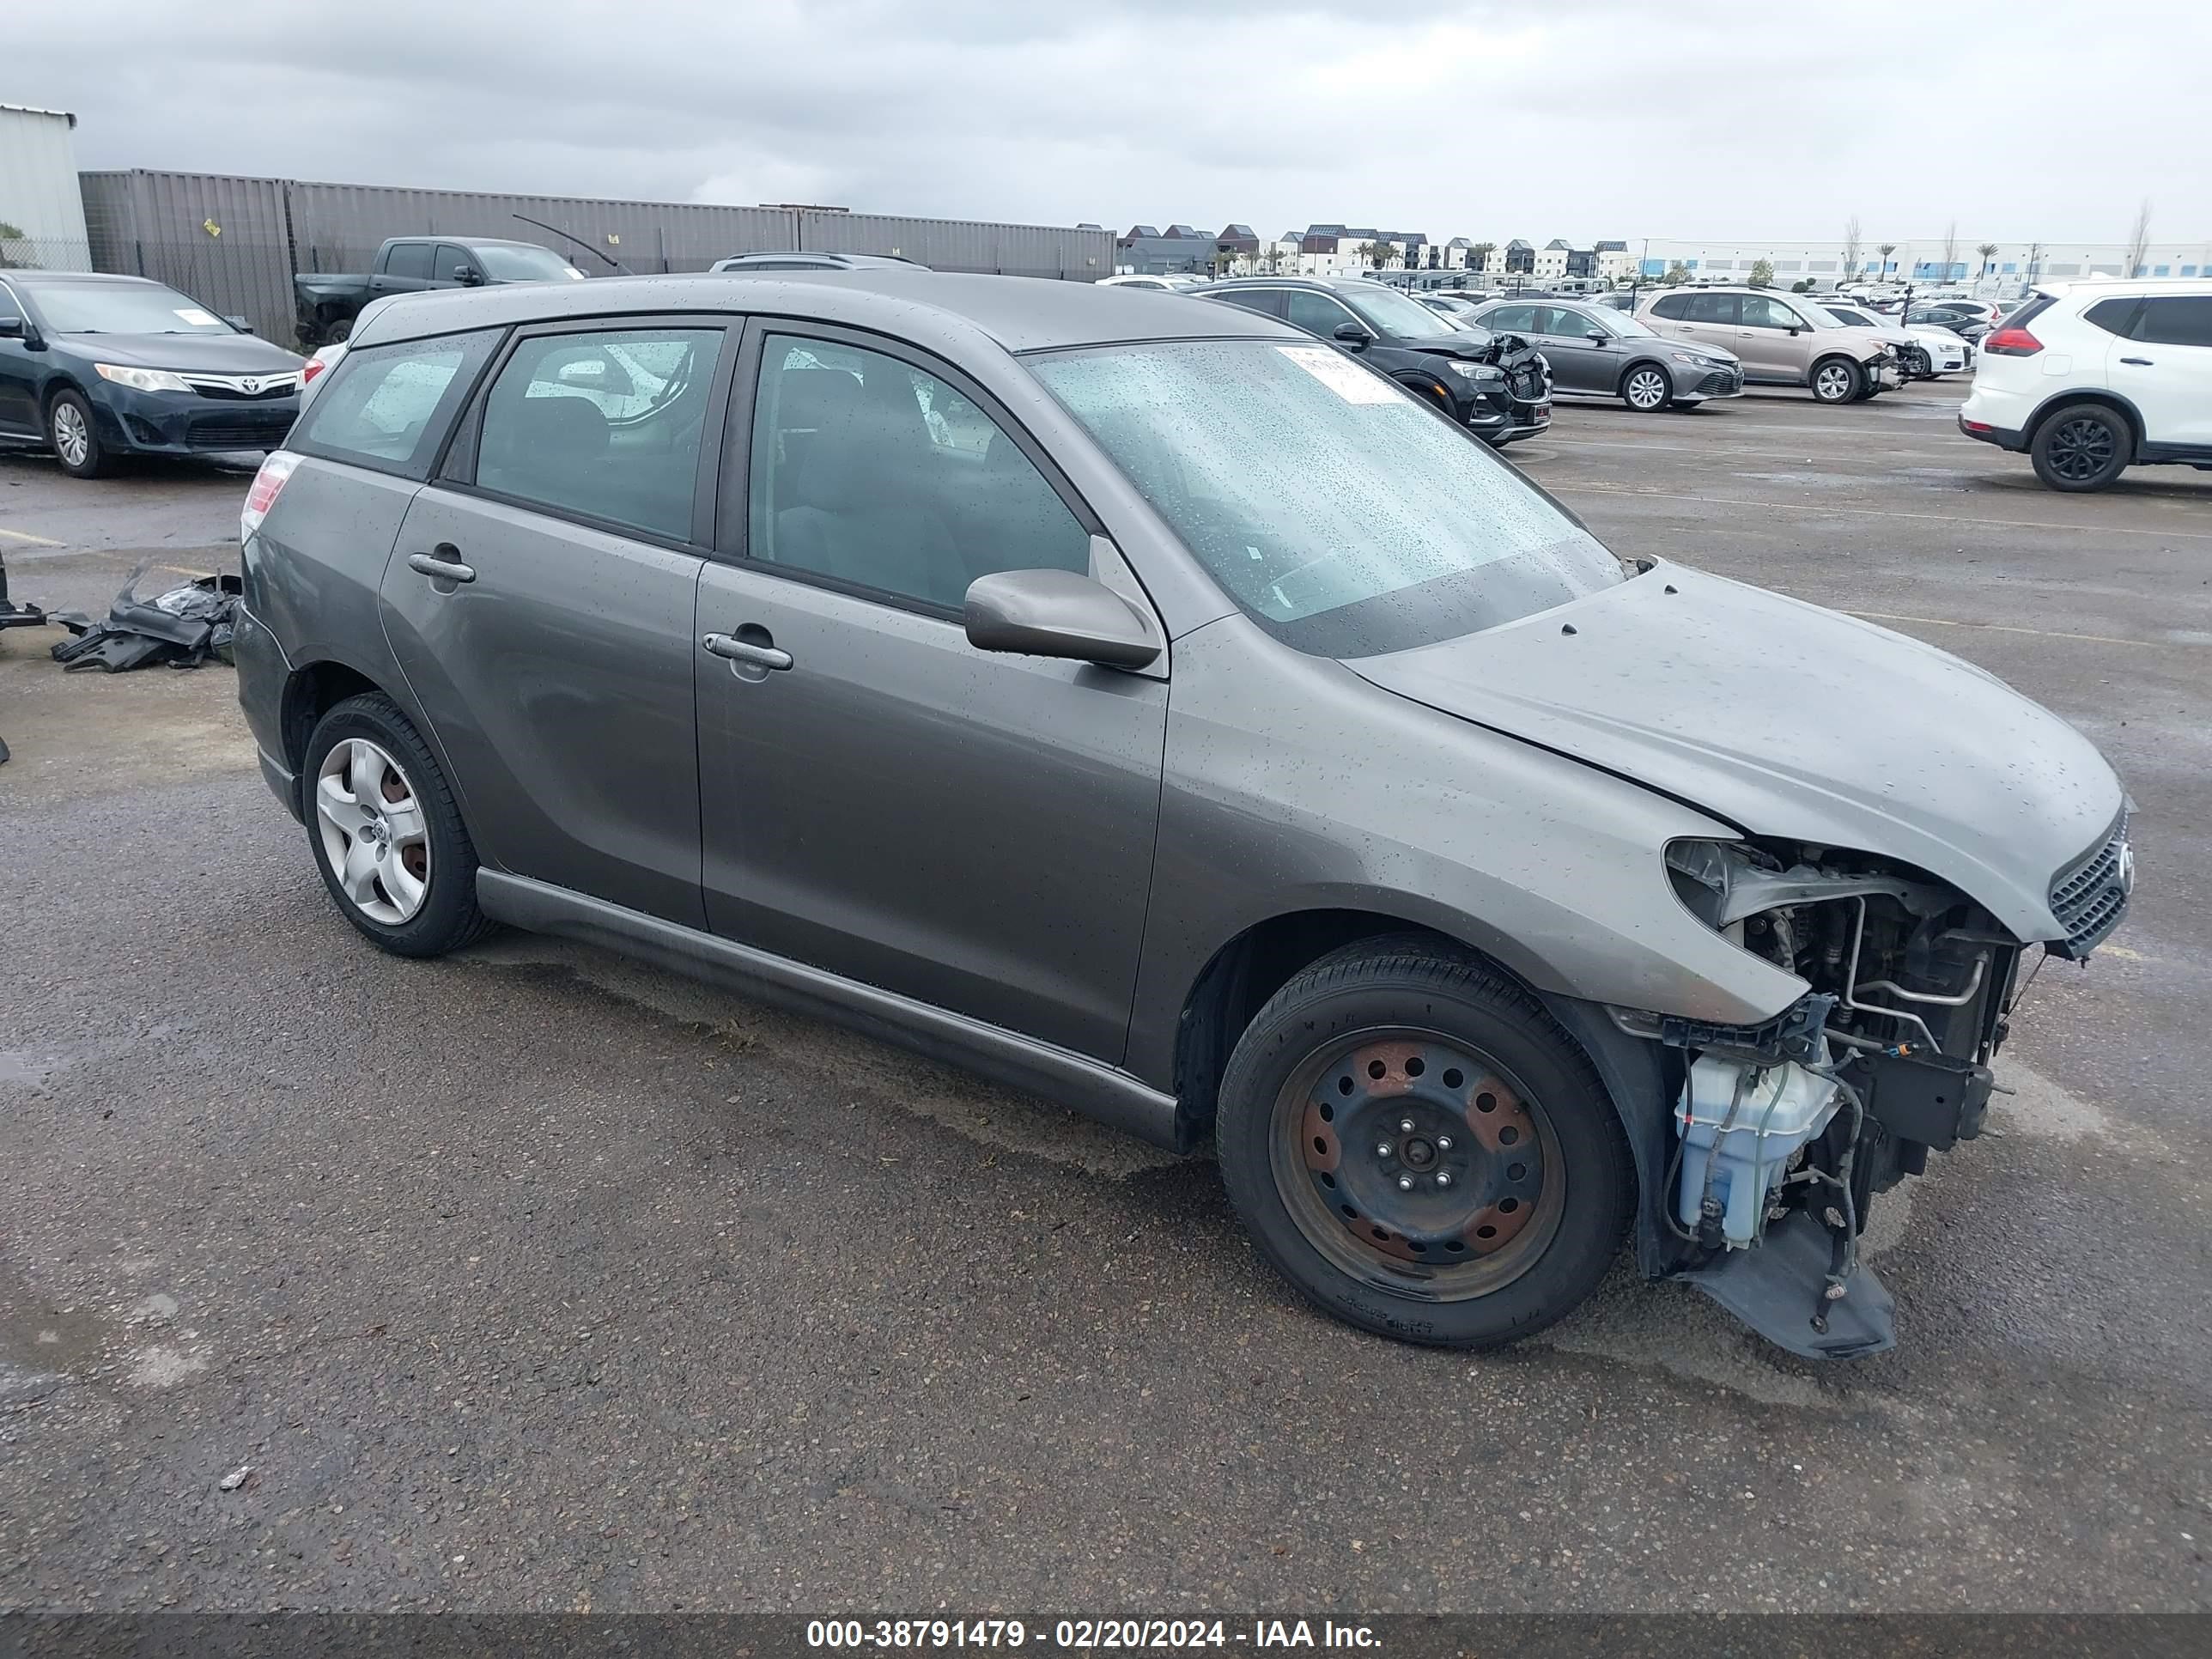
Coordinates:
(2089, 377)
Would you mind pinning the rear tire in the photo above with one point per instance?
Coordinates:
(1496, 1214)
(2081, 448)
(385, 832)
(1837, 380)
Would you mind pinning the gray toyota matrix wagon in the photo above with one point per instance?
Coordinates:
(1136, 700)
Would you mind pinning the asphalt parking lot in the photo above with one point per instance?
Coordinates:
(534, 1280)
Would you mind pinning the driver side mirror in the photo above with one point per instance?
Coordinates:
(1350, 334)
(14, 328)
(1058, 613)
(468, 276)
(1597, 336)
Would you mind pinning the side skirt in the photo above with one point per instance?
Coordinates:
(1099, 1091)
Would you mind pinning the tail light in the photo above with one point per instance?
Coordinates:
(315, 367)
(2011, 343)
(268, 485)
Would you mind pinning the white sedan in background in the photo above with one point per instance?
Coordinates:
(1942, 351)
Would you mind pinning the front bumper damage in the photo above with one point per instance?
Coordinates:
(1766, 1145)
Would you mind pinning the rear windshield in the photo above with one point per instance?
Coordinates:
(1337, 510)
(388, 407)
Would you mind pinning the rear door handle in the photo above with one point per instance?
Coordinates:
(449, 570)
(744, 651)
(2140, 362)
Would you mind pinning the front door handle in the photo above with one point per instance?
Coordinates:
(744, 651)
(438, 569)
(2140, 362)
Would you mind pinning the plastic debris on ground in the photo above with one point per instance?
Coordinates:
(183, 628)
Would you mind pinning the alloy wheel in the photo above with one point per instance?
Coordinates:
(373, 831)
(1833, 383)
(72, 437)
(1415, 1163)
(1647, 388)
(2081, 448)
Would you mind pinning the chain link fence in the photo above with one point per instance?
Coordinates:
(21, 253)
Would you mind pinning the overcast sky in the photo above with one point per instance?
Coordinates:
(1582, 118)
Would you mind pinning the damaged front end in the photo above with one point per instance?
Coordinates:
(1785, 1132)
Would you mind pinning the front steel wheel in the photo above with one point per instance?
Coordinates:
(1419, 1149)
(1413, 1163)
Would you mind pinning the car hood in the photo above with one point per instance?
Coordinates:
(1790, 721)
(193, 354)
(1478, 344)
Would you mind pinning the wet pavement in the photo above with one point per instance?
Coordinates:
(531, 1279)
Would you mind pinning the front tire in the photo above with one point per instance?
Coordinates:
(1418, 1147)
(1838, 381)
(2082, 446)
(75, 438)
(387, 836)
(1646, 388)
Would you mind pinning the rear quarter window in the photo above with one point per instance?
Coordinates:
(2114, 316)
(388, 408)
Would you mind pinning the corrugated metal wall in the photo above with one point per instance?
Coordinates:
(965, 244)
(225, 240)
(232, 243)
(38, 191)
(339, 226)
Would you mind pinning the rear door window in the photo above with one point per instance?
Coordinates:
(1711, 308)
(410, 260)
(2176, 320)
(1511, 320)
(1317, 314)
(1268, 302)
(388, 407)
(604, 426)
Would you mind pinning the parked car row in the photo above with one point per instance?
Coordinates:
(1497, 386)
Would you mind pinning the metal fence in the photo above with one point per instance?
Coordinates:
(232, 243)
(44, 253)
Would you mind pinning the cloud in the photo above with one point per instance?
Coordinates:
(1578, 118)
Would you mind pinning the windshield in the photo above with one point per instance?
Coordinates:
(1624, 324)
(511, 264)
(1818, 316)
(1336, 508)
(122, 308)
(1389, 312)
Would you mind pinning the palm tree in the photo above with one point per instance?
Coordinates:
(1377, 254)
(1989, 252)
(1885, 249)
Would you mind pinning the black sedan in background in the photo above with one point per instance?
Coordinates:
(97, 366)
(1595, 351)
(1498, 389)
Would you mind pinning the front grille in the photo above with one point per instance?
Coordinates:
(1527, 382)
(1720, 383)
(233, 387)
(238, 431)
(2090, 897)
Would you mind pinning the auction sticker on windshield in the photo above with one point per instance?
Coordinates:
(197, 318)
(1347, 379)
